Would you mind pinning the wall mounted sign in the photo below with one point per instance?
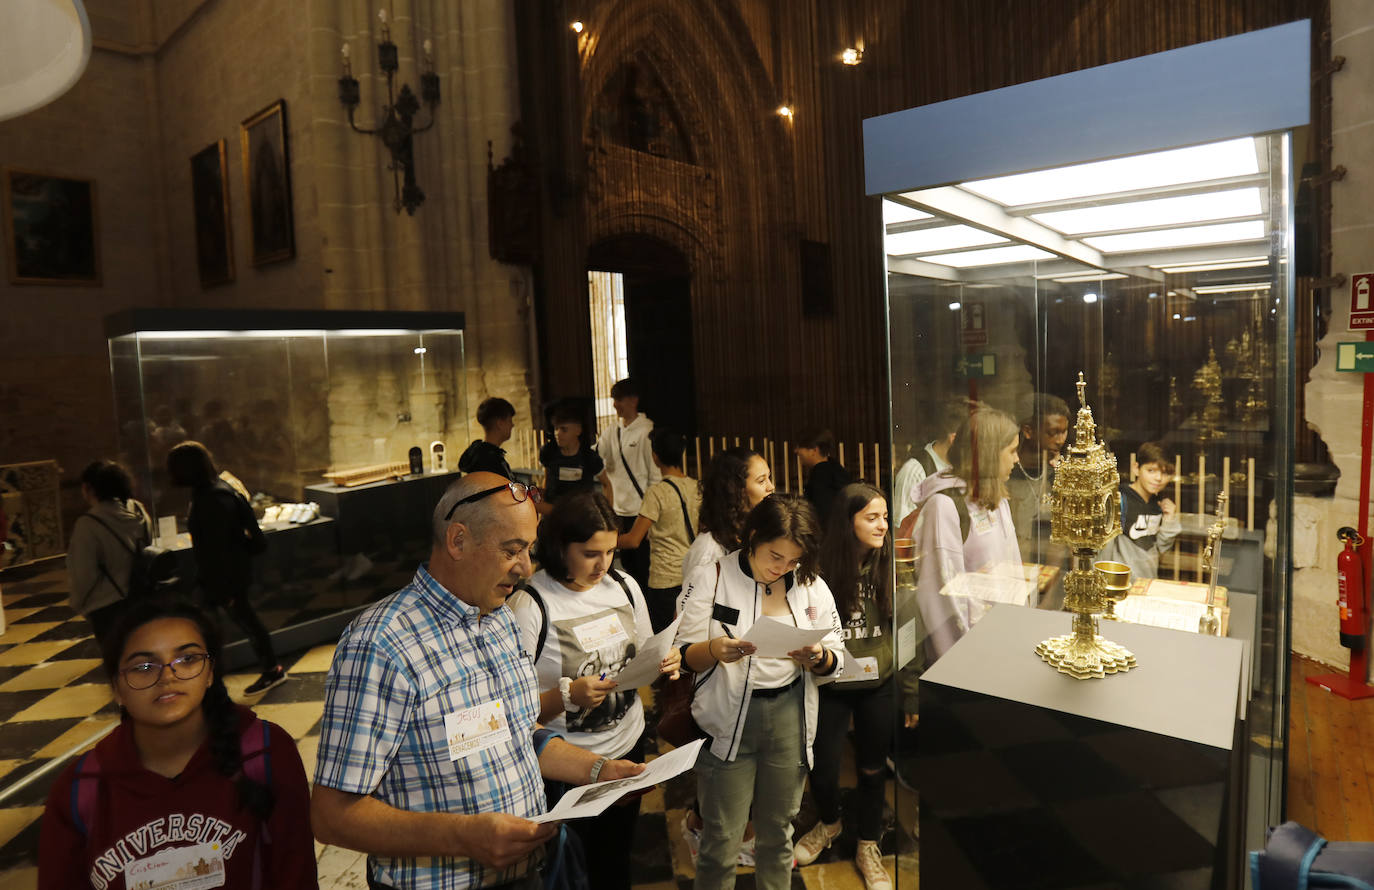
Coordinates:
(1362, 301)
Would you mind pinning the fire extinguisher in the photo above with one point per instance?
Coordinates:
(1351, 599)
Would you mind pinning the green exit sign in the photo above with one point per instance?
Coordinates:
(1355, 356)
(984, 365)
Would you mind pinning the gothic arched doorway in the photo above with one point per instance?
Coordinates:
(657, 286)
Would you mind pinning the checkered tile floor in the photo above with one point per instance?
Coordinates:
(54, 700)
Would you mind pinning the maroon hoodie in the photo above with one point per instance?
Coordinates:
(142, 817)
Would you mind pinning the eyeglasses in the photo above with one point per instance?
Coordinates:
(147, 673)
(520, 492)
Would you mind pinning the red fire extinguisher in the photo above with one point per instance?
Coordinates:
(1351, 599)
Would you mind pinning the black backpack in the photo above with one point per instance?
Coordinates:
(154, 569)
(1295, 858)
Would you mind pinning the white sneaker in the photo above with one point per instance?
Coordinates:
(746, 853)
(814, 842)
(869, 861)
(693, 838)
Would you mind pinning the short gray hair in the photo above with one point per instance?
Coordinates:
(473, 515)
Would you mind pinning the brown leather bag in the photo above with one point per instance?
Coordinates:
(677, 726)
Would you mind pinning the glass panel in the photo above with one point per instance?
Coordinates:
(1164, 279)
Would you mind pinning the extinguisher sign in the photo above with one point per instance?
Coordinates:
(1362, 301)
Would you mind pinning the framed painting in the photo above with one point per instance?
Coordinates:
(267, 179)
(210, 203)
(51, 228)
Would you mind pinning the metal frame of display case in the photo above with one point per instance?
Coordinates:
(1191, 96)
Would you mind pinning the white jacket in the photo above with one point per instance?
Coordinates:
(714, 604)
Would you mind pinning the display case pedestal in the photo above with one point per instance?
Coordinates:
(1029, 778)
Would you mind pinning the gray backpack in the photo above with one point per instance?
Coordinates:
(1296, 858)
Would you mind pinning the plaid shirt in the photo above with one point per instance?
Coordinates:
(399, 668)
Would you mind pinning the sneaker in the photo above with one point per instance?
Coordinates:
(869, 861)
(746, 853)
(269, 680)
(692, 836)
(814, 842)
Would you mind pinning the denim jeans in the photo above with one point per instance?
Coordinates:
(767, 772)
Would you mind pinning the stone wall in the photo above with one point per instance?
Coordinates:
(1334, 399)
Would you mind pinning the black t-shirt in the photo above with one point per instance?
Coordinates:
(564, 474)
(824, 483)
(483, 457)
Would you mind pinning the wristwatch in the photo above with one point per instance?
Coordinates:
(596, 769)
(565, 688)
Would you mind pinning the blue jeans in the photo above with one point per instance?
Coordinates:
(767, 773)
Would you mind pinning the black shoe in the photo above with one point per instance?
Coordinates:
(269, 680)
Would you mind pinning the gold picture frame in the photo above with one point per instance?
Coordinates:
(267, 181)
(50, 228)
(210, 208)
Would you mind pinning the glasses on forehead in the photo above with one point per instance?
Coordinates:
(517, 490)
(147, 673)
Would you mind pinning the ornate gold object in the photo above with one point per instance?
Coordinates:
(1085, 513)
(1210, 624)
(1207, 381)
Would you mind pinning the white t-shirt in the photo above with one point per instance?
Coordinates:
(633, 440)
(907, 484)
(588, 632)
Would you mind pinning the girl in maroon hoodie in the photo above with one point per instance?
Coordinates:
(189, 786)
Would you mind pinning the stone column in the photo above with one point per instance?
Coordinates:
(1334, 400)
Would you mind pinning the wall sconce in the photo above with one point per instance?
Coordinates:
(397, 130)
(852, 55)
(577, 27)
(785, 111)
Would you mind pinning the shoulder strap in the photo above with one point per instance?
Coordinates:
(960, 507)
(123, 594)
(926, 461)
(543, 618)
(85, 790)
(111, 529)
(686, 517)
(257, 737)
(620, 579)
(624, 463)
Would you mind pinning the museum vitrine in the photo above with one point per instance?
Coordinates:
(302, 408)
(1120, 241)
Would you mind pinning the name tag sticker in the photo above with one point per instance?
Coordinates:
(473, 730)
(569, 474)
(858, 669)
(180, 868)
(600, 633)
(982, 523)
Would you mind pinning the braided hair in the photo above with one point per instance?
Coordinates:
(221, 714)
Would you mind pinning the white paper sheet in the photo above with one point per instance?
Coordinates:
(591, 800)
(775, 639)
(643, 668)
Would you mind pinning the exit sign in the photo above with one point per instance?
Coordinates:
(1355, 357)
(985, 365)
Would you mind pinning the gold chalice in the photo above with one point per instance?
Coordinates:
(1118, 578)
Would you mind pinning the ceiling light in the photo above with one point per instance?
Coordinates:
(1185, 209)
(1018, 253)
(577, 27)
(1184, 237)
(940, 239)
(45, 47)
(895, 212)
(852, 55)
(1177, 316)
(1235, 157)
(1232, 288)
(1090, 298)
(1247, 262)
(955, 307)
(785, 111)
(1087, 276)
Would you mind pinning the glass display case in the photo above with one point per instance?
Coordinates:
(1130, 225)
(298, 406)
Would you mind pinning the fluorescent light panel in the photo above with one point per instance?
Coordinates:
(1231, 204)
(1245, 262)
(1185, 237)
(940, 239)
(1200, 163)
(1087, 277)
(895, 212)
(1232, 288)
(996, 256)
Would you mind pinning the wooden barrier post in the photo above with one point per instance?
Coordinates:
(697, 441)
(786, 483)
(1178, 502)
(1250, 494)
(862, 476)
(1201, 504)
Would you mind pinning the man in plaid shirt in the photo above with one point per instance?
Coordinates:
(430, 756)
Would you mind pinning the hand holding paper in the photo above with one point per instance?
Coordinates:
(591, 800)
(775, 639)
(645, 667)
